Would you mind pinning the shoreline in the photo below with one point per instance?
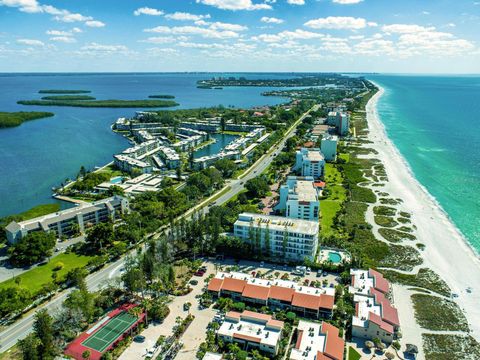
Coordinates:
(447, 251)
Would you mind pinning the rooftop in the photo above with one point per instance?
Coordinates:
(279, 223)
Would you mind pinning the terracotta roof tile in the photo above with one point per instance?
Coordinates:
(256, 292)
(378, 320)
(281, 293)
(215, 284)
(246, 337)
(234, 285)
(306, 301)
(334, 345)
(381, 284)
(327, 301)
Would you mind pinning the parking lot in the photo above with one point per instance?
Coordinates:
(195, 334)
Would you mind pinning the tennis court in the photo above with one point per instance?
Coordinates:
(114, 328)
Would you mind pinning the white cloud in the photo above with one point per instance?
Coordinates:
(183, 16)
(339, 22)
(346, 2)
(95, 47)
(77, 30)
(405, 28)
(148, 11)
(296, 2)
(194, 30)
(298, 34)
(94, 23)
(64, 39)
(30, 42)
(58, 33)
(164, 39)
(33, 6)
(271, 20)
(226, 26)
(235, 4)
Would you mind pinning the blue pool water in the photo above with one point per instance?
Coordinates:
(116, 180)
(434, 123)
(334, 257)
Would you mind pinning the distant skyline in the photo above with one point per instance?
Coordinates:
(407, 36)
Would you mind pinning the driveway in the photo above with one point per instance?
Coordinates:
(195, 333)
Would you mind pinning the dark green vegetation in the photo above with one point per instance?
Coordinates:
(393, 235)
(425, 278)
(448, 347)
(12, 119)
(162, 97)
(102, 103)
(33, 248)
(435, 313)
(68, 97)
(61, 91)
(302, 80)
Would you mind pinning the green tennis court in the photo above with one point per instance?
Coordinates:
(110, 332)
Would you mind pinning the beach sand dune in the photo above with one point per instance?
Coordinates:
(447, 252)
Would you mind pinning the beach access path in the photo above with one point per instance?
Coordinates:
(447, 252)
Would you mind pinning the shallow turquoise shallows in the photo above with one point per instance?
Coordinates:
(334, 257)
(434, 122)
(41, 154)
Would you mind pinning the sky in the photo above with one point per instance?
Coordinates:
(392, 36)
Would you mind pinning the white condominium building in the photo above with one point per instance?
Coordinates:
(69, 221)
(252, 330)
(310, 162)
(299, 198)
(289, 239)
(329, 147)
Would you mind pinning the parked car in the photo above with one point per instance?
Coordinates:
(199, 273)
(139, 338)
(193, 282)
(186, 306)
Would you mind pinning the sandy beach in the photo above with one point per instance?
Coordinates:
(447, 252)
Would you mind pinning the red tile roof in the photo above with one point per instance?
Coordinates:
(327, 301)
(306, 301)
(215, 284)
(246, 337)
(256, 292)
(234, 285)
(255, 315)
(334, 345)
(389, 313)
(281, 293)
(378, 320)
(299, 339)
(380, 283)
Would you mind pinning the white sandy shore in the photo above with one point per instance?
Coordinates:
(447, 252)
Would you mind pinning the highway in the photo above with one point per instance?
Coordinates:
(22, 327)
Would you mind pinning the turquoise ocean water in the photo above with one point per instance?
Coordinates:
(434, 122)
(41, 154)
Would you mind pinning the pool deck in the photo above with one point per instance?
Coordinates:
(323, 256)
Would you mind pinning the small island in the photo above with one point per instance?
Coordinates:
(102, 103)
(62, 91)
(12, 119)
(68, 97)
(162, 97)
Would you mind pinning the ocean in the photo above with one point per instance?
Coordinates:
(42, 153)
(434, 122)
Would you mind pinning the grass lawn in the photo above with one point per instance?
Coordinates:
(13, 353)
(34, 279)
(345, 157)
(39, 210)
(353, 354)
(328, 210)
(332, 175)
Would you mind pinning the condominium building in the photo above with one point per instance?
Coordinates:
(252, 330)
(277, 294)
(343, 123)
(299, 198)
(67, 222)
(375, 317)
(317, 341)
(170, 157)
(310, 162)
(138, 151)
(129, 164)
(329, 147)
(288, 239)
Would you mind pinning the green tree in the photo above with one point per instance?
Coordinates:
(33, 248)
(226, 166)
(43, 329)
(258, 187)
(100, 236)
(29, 347)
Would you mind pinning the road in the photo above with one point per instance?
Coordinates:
(22, 327)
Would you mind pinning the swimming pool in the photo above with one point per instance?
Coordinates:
(334, 257)
(116, 180)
